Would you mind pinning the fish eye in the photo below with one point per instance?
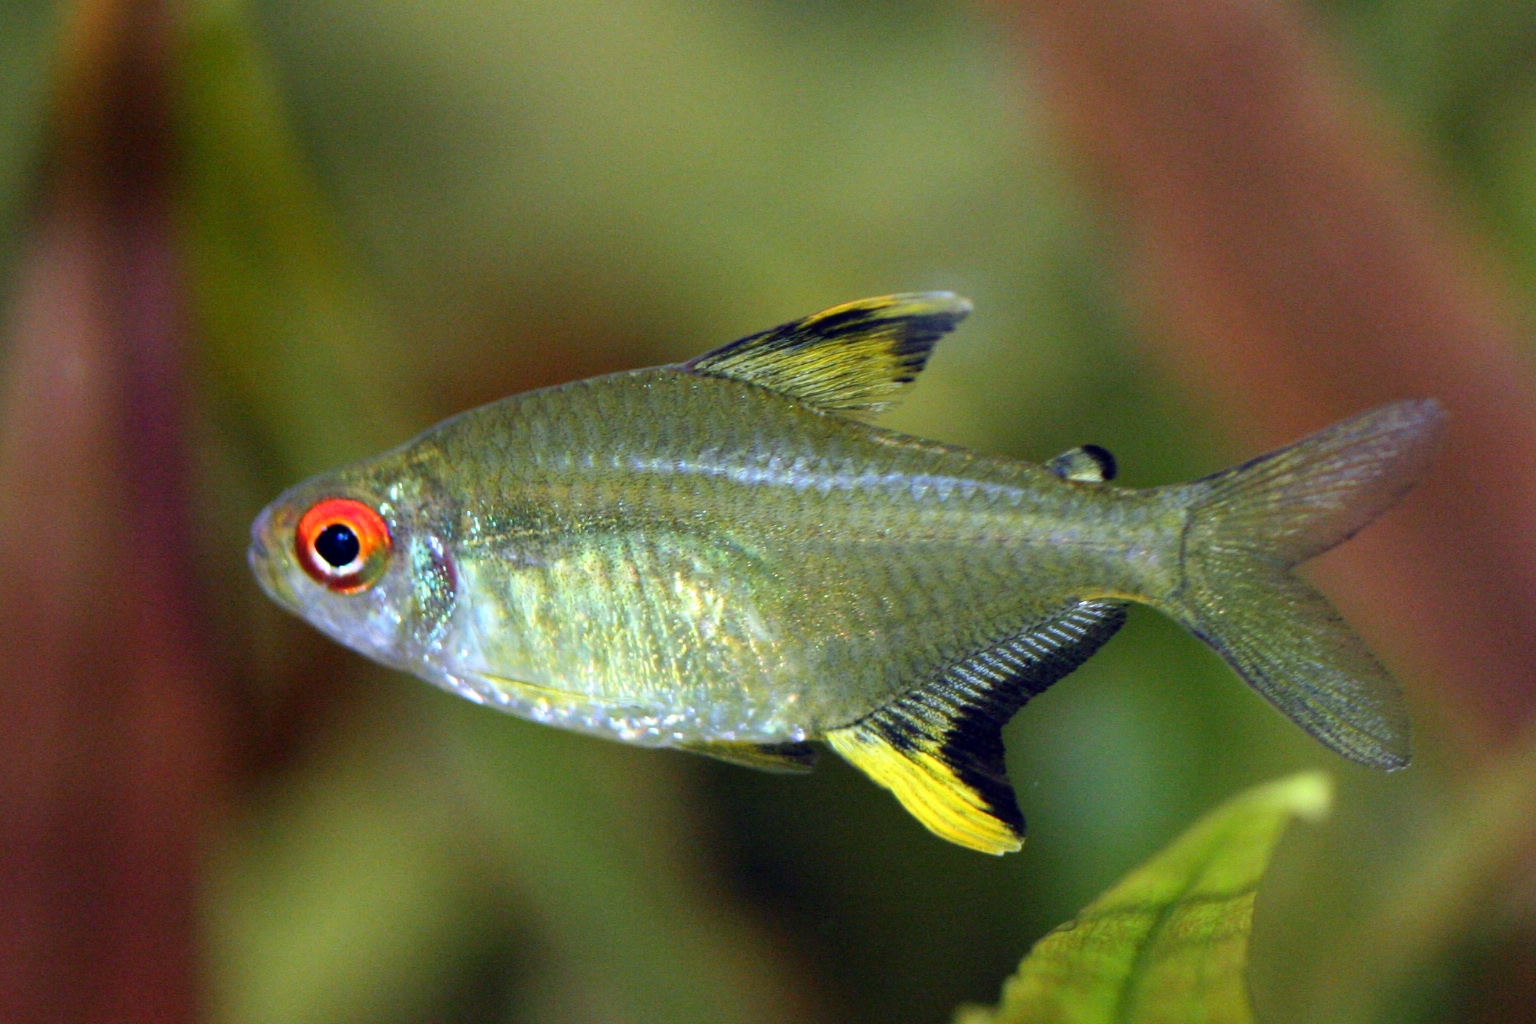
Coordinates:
(343, 544)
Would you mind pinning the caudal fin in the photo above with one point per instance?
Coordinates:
(1251, 525)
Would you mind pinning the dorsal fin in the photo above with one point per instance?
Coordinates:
(784, 758)
(939, 748)
(1087, 464)
(851, 358)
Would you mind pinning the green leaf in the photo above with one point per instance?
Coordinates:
(1169, 943)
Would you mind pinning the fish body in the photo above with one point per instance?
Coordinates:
(723, 556)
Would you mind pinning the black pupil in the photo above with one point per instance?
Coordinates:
(338, 545)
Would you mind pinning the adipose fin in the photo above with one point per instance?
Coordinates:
(1087, 464)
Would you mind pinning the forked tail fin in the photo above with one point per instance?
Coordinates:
(1251, 525)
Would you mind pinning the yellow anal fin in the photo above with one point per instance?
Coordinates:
(948, 806)
(851, 358)
(939, 747)
(784, 758)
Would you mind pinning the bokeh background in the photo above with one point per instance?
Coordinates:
(243, 242)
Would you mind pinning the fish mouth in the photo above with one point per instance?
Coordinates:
(256, 558)
(267, 569)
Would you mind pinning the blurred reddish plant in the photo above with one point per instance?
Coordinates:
(109, 762)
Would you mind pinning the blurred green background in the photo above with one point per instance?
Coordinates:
(396, 209)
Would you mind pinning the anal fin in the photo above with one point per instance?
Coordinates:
(939, 748)
(783, 758)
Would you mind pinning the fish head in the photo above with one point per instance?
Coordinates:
(361, 555)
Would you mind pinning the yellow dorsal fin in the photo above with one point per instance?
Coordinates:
(851, 358)
(784, 758)
(939, 748)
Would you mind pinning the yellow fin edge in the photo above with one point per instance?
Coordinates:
(929, 790)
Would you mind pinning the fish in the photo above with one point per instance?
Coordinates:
(726, 556)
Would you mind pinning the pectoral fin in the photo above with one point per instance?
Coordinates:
(851, 358)
(939, 748)
(783, 758)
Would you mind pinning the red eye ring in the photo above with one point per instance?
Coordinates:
(343, 544)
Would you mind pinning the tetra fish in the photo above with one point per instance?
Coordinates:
(723, 556)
